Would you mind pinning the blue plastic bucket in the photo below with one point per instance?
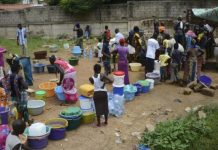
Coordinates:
(76, 51)
(39, 68)
(59, 93)
(139, 89)
(145, 89)
(118, 90)
(206, 80)
(128, 96)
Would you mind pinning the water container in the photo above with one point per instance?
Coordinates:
(145, 86)
(151, 83)
(40, 95)
(59, 93)
(76, 51)
(118, 78)
(139, 89)
(90, 54)
(37, 129)
(85, 103)
(118, 90)
(157, 66)
(1, 72)
(4, 113)
(129, 92)
(84, 53)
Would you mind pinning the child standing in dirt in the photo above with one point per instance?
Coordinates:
(100, 93)
(100, 46)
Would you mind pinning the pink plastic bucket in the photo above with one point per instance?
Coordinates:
(71, 98)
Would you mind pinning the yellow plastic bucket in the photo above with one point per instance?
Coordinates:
(40, 95)
(88, 117)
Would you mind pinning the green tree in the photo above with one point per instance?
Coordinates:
(9, 1)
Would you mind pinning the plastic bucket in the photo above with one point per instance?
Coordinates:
(205, 80)
(118, 78)
(38, 68)
(38, 143)
(118, 90)
(139, 89)
(88, 117)
(73, 123)
(58, 128)
(59, 93)
(51, 69)
(128, 96)
(66, 46)
(154, 76)
(85, 103)
(4, 112)
(73, 61)
(151, 83)
(40, 95)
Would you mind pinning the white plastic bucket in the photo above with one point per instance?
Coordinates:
(156, 66)
(151, 83)
(85, 103)
(66, 46)
(118, 81)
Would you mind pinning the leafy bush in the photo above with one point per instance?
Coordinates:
(79, 6)
(177, 134)
(9, 1)
(53, 2)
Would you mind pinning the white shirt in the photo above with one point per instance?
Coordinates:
(118, 36)
(11, 142)
(181, 25)
(98, 84)
(21, 36)
(152, 46)
(100, 46)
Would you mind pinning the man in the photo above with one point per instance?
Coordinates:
(79, 33)
(179, 29)
(118, 36)
(137, 43)
(106, 51)
(22, 39)
(152, 46)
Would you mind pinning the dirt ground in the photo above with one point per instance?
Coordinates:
(147, 108)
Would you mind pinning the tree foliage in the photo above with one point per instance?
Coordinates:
(9, 1)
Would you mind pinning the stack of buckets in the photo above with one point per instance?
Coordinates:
(86, 103)
(118, 85)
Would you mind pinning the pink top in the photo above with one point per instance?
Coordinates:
(65, 65)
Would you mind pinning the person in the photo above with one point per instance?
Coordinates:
(13, 141)
(79, 33)
(137, 43)
(191, 64)
(118, 36)
(99, 47)
(2, 51)
(17, 86)
(155, 25)
(100, 94)
(179, 31)
(152, 46)
(67, 78)
(122, 50)
(106, 51)
(164, 59)
(87, 32)
(175, 63)
(162, 33)
(22, 39)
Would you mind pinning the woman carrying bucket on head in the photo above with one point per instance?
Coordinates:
(67, 78)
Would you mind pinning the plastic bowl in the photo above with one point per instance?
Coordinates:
(135, 67)
(35, 107)
(205, 80)
(49, 88)
(73, 61)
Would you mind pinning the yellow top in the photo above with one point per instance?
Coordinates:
(163, 59)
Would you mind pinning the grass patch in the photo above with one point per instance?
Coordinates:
(187, 133)
(208, 142)
(33, 44)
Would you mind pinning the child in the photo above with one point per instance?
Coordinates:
(106, 58)
(175, 63)
(163, 58)
(100, 94)
(17, 87)
(100, 46)
(13, 141)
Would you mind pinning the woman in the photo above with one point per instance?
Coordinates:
(67, 78)
(122, 50)
(100, 93)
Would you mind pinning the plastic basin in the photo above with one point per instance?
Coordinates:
(205, 80)
(35, 107)
(39, 68)
(135, 67)
(139, 89)
(49, 88)
(51, 69)
(88, 117)
(58, 128)
(40, 95)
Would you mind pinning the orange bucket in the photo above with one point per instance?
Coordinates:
(48, 87)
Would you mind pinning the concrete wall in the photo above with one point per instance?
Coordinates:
(51, 21)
